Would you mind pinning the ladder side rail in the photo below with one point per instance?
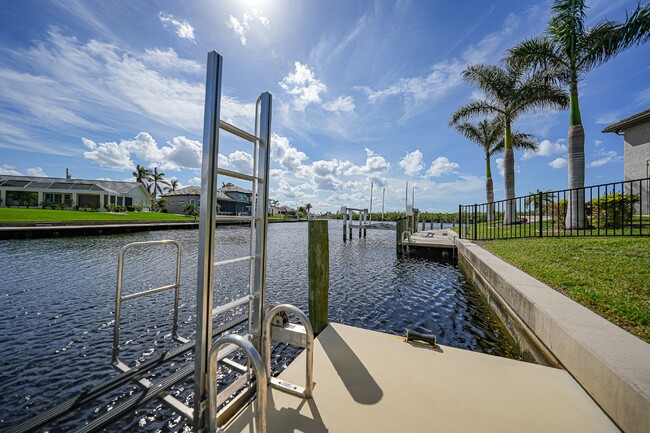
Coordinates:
(115, 357)
(262, 130)
(255, 360)
(208, 213)
(255, 222)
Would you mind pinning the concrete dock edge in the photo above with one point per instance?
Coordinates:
(612, 365)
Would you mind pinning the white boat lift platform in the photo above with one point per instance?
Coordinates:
(367, 381)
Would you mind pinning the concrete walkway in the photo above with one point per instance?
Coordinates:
(372, 382)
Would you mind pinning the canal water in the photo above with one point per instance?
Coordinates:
(58, 295)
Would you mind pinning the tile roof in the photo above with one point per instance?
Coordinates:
(36, 182)
(622, 125)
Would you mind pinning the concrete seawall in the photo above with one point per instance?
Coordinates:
(97, 228)
(612, 365)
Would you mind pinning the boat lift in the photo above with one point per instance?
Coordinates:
(265, 322)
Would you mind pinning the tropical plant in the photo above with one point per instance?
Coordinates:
(307, 209)
(225, 184)
(613, 210)
(488, 134)
(571, 50)
(173, 185)
(510, 92)
(533, 201)
(190, 210)
(156, 180)
(141, 174)
(159, 205)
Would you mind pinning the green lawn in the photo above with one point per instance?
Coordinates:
(8, 215)
(611, 276)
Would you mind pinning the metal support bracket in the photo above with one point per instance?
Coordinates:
(302, 336)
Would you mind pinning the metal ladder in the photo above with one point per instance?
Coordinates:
(256, 341)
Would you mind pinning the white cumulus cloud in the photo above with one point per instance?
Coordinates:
(558, 163)
(441, 166)
(303, 86)
(412, 163)
(285, 154)
(36, 171)
(546, 148)
(374, 166)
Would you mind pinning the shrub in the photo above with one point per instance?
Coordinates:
(613, 211)
(556, 210)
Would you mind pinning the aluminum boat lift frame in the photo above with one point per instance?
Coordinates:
(265, 322)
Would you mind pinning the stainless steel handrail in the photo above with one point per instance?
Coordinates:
(255, 360)
(119, 298)
(309, 348)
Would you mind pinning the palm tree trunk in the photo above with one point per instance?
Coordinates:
(509, 177)
(489, 189)
(575, 216)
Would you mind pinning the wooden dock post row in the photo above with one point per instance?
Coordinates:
(318, 273)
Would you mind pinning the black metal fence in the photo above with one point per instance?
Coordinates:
(612, 209)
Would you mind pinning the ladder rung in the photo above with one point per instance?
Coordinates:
(230, 305)
(233, 261)
(148, 292)
(238, 132)
(231, 389)
(237, 175)
(235, 218)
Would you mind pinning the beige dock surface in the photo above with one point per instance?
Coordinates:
(366, 381)
(431, 238)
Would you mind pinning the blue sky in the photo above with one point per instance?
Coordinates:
(362, 92)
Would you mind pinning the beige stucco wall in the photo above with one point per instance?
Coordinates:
(637, 159)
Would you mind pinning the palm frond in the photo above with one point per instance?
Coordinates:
(567, 26)
(605, 40)
(474, 109)
(539, 54)
(524, 141)
(493, 80)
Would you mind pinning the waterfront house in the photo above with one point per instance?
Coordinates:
(34, 191)
(636, 152)
(282, 211)
(231, 199)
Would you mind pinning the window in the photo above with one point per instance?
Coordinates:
(128, 201)
(192, 201)
(120, 201)
(53, 198)
(112, 199)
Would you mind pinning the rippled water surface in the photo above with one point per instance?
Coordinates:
(58, 295)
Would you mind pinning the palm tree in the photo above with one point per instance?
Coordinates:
(141, 174)
(307, 209)
(510, 92)
(156, 179)
(488, 134)
(225, 184)
(173, 184)
(572, 50)
(534, 200)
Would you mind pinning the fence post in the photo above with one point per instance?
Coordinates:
(460, 223)
(318, 277)
(475, 221)
(541, 214)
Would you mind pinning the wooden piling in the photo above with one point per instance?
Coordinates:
(318, 273)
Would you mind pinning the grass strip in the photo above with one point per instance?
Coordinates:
(609, 275)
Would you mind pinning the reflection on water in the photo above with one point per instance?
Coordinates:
(58, 297)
